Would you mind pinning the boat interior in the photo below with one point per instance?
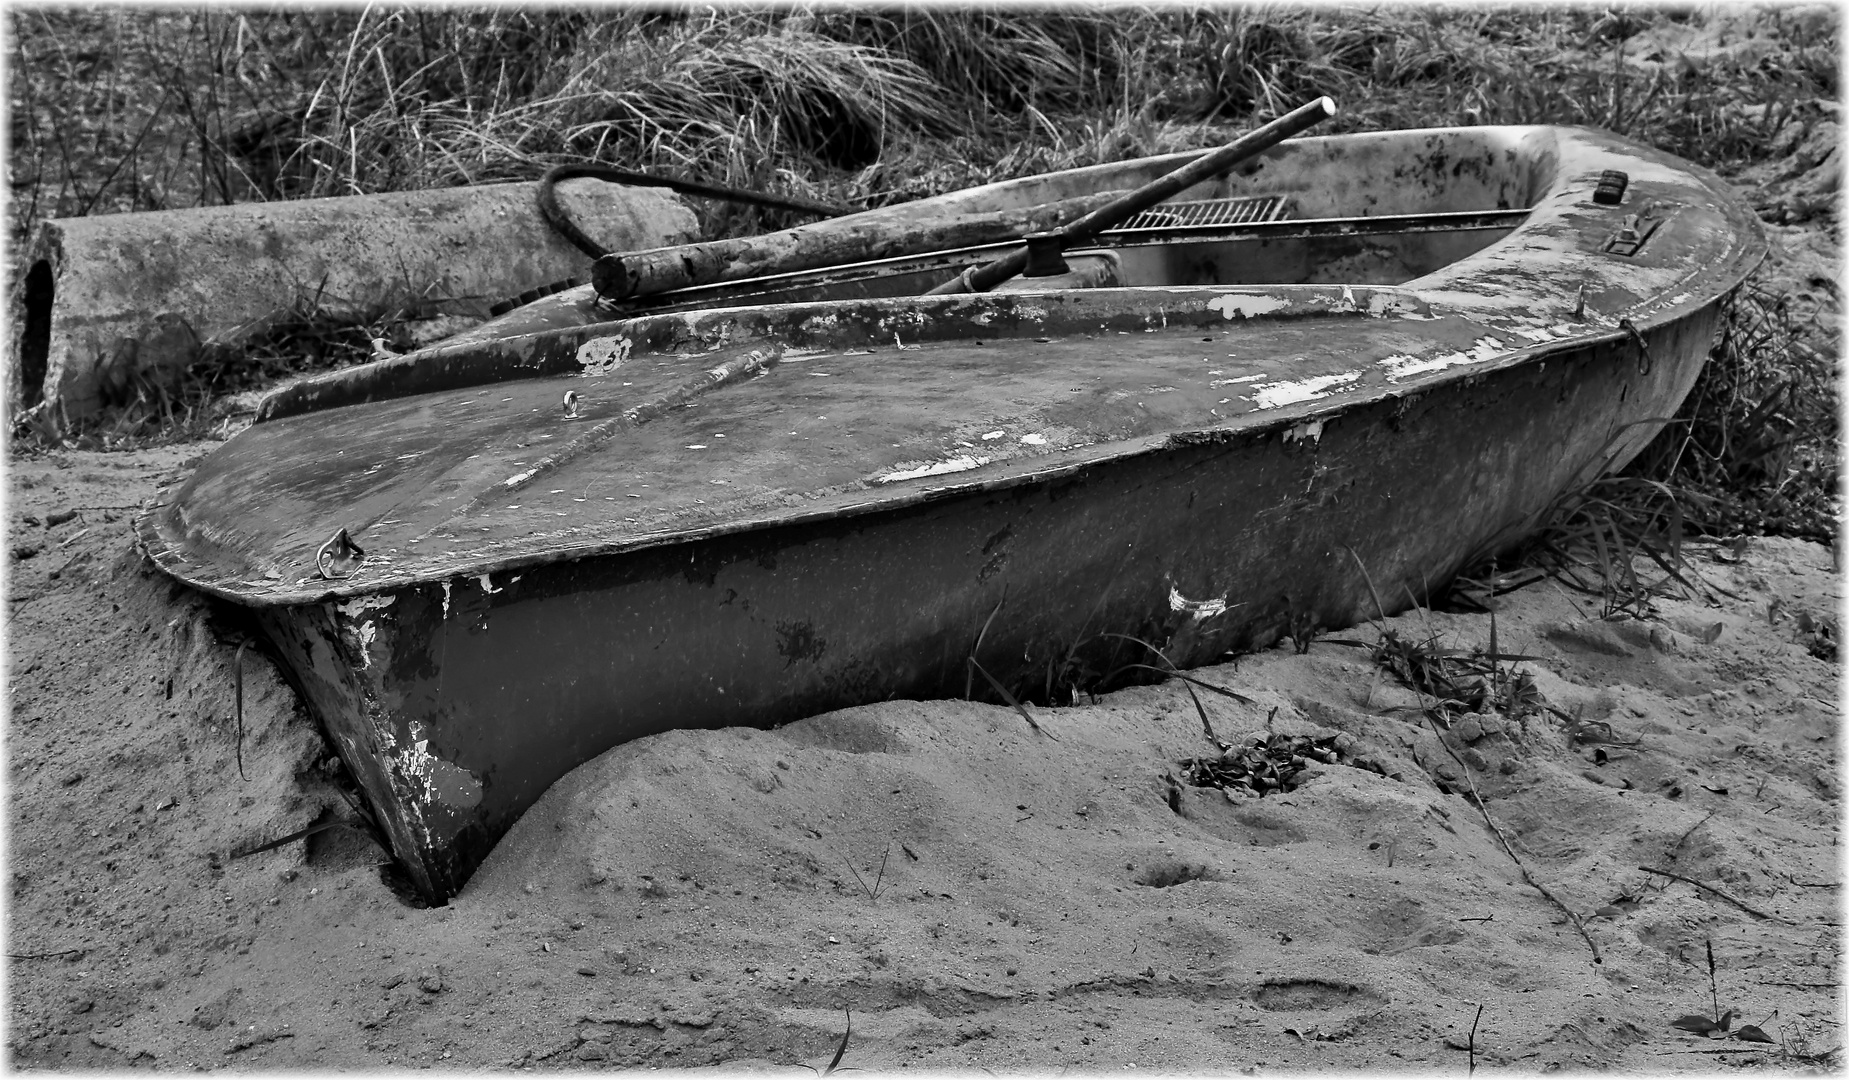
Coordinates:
(1376, 209)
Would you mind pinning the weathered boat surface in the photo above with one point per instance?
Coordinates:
(767, 511)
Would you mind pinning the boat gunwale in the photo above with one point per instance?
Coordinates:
(1006, 476)
(372, 381)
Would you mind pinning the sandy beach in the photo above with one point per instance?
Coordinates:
(973, 894)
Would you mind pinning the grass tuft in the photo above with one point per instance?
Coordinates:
(1755, 447)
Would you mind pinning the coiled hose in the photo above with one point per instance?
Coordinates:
(560, 220)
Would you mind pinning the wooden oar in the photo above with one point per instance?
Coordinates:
(987, 276)
(626, 275)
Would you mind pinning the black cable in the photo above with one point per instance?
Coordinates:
(556, 216)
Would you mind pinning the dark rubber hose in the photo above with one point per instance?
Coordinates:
(556, 216)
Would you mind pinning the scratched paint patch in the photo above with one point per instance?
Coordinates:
(601, 356)
(911, 322)
(1400, 367)
(1536, 334)
(360, 605)
(1197, 610)
(1246, 305)
(1311, 432)
(1382, 304)
(364, 634)
(960, 463)
(365, 629)
(444, 782)
(1277, 394)
(451, 784)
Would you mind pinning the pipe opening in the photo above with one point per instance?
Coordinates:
(35, 337)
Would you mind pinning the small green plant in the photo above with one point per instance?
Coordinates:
(1719, 1025)
(1594, 537)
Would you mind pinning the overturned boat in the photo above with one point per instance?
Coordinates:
(741, 497)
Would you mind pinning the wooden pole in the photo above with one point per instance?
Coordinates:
(627, 275)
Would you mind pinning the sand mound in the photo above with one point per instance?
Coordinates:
(949, 874)
(978, 894)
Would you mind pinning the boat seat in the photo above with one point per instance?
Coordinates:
(1243, 210)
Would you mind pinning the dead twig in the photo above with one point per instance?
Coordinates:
(1477, 799)
(1473, 1041)
(1733, 1050)
(302, 834)
(1677, 846)
(1714, 994)
(568, 1044)
(1813, 884)
(237, 672)
(1734, 900)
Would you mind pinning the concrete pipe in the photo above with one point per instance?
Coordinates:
(115, 302)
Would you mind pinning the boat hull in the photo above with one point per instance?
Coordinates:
(459, 702)
(746, 513)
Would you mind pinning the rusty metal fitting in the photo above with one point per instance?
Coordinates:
(1045, 254)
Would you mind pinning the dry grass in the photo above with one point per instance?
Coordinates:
(1756, 446)
(830, 103)
(143, 108)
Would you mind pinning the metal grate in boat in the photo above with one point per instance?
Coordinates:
(1241, 211)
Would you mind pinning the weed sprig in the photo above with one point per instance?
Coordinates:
(1755, 446)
